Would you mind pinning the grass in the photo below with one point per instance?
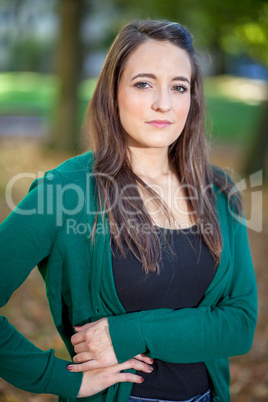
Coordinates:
(27, 93)
(36, 94)
(234, 113)
(235, 121)
(235, 106)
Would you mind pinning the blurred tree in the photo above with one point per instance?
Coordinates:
(244, 29)
(65, 133)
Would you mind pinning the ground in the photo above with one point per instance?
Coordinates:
(28, 309)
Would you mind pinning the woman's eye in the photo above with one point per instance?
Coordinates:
(142, 85)
(180, 88)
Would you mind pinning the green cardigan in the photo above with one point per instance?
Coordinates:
(51, 228)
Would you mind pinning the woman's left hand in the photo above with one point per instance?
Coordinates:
(93, 347)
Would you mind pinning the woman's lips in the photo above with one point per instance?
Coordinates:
(159, 123)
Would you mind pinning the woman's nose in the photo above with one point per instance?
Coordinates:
(161, 101)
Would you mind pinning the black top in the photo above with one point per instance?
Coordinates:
(182, 282)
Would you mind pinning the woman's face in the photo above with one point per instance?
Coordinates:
(154, 94)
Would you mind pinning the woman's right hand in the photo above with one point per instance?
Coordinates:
(97, 380)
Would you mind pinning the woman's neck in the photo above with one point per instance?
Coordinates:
(149, 162)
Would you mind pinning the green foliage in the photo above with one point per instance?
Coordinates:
(234, 26)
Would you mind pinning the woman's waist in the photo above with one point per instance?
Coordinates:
(173, 381)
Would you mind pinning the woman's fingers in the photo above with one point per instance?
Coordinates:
(80, 328)
(97, 380)
(93, 346)
(127, 377)
(78, 338)
(134, 364)
(81, 347)
(82, 357)
(94, 364)
(144, 358)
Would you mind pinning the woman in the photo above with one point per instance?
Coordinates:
(140, 242)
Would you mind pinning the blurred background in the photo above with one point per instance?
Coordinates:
(51, 53)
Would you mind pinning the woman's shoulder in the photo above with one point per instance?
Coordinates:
(72, 170)
(78, 163)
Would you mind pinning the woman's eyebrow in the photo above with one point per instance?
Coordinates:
(144, 75)
(181, 78)
(147, 75)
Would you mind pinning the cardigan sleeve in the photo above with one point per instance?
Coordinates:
(26, 238)
(198, 334)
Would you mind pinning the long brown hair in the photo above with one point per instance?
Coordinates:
(187, 155)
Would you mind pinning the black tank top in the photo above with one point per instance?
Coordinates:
(182, 282)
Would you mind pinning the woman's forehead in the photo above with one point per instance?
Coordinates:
(158, 57)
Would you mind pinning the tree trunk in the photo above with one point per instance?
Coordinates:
(66, 132)
(256, 158)
(218, 62)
